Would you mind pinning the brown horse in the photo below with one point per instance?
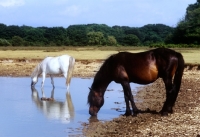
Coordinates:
(140, 68)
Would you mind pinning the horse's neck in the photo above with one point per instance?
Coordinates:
(102, 79)
(39, 71)
(100, 85)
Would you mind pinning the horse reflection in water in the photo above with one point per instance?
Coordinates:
(63, 111)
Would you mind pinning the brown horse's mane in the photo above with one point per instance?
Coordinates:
(104, 72)
(99, 78)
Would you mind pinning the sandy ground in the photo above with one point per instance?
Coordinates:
(184, 121)
(24, 68)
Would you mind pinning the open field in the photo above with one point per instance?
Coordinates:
(22, 61)
(191, 56)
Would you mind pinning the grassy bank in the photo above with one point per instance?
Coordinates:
(191, 55)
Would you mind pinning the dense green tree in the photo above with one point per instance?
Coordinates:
(96, 38)
(90, 34)
(106, 30)
(13, 30)
(77, 35)
(131, 40)
(3, 28)
(4, 42)
(17, 41)
(34, 36)
(111, 41)
(56, 35)
(118, 33)
(155, 33)
(188, 29)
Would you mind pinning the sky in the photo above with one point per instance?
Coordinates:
(62, 13)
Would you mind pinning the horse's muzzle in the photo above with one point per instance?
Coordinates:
(93, 111)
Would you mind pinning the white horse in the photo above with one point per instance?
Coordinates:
(54, 65)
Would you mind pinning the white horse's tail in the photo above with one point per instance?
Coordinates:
(70, 105)
(70, 71)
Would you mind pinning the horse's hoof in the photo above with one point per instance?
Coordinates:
(43, 98)
(170, 110)
(50, 99)
(135, 114)
(164, 113)
(127, 114)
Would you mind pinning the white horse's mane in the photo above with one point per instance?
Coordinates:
(36, 71)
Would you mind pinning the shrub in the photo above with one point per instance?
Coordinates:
(4, 42)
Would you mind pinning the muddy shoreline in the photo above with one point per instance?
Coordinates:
(83, 68)
(24, 67)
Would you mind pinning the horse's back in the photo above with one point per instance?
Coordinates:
(64, 56)
(65, 60)
(55, 65)
(136, 67)
(144, 67)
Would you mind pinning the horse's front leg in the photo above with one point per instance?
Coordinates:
(43, 79)
(129, 97)
(52, 82)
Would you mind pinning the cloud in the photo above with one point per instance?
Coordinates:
(11, 3)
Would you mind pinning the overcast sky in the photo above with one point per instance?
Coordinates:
(53, 13)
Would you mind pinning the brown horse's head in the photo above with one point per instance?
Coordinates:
(95, 101)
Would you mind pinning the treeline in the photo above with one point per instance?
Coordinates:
(188, 29)
(82, 35)
(186, 33)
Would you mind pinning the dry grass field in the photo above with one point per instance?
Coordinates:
(20, 61)
(191, 56)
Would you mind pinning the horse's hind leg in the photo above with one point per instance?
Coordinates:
(167, 107)
(129, 97)
(43, 79)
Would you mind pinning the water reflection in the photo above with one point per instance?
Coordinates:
(52, 109)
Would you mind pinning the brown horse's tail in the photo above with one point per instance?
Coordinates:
(179, 73)
(70, 71)
(178, 77)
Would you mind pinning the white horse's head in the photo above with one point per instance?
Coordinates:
(34, 81)
(35, 74)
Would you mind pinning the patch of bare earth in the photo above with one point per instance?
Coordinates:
(24, 67)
